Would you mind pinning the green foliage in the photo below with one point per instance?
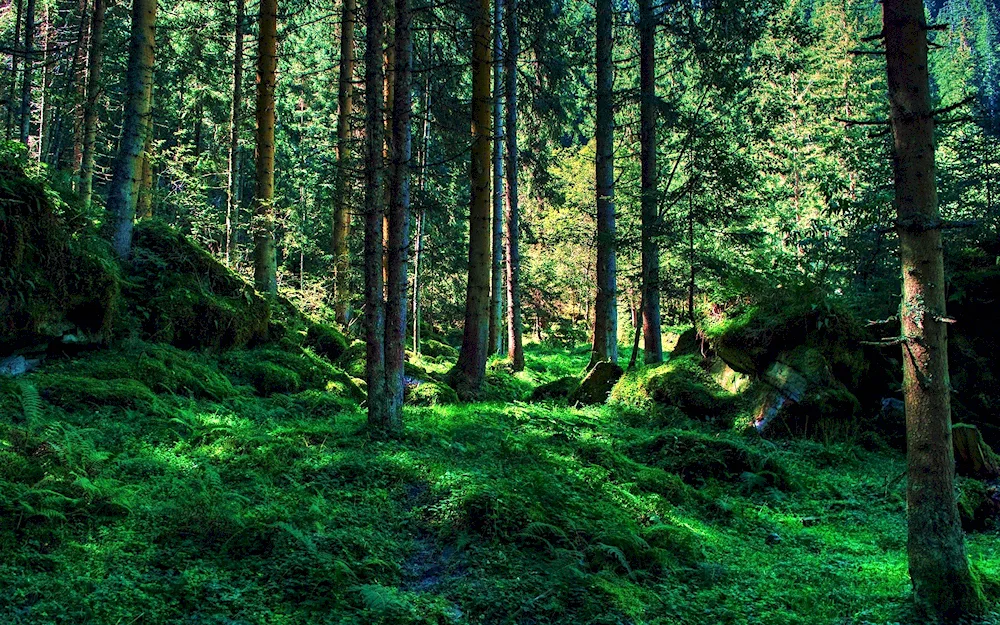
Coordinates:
(682, 382)
(326, 341)
(271, 371)
(80, 393)
(431, 394)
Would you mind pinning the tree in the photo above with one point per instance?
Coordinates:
(127, 171)
(496, 285)
(264, 255)
(652, 337)
(29, 43)
(91, 112)
(942, 582)
(470, 369)
(341, 211)
(399, 219)
(515, 346)
(235, 117)
(606, 304)
(374, 210)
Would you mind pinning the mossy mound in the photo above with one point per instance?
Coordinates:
(353, 359)
(271, 371)
(56, 275)
(431, 394)
(596, 386)
(81, 393)
(437, 349)
(683, 383)
(326, 341)
(558, 389)
(187, 298)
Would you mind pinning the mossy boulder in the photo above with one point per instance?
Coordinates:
(558, 389)
(353, 359)
(597, 385)
(271, 371)
(683, 383)
(187, 298)
(326, 341)
(437, 349)
(56, 274)
(431, 394)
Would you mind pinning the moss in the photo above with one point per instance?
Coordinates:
(272, 371)
(682, 382)
(353, 359)
(326, 341)
(437, 349)
(431, 394)
(559, 389)
(73, 392)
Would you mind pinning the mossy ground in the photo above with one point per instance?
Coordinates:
(206, 500)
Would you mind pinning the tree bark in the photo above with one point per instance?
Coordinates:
(29, 44)
(374, 210)
(470, 370)
(399, 220)
(515, 345)
(653, 342)
(127, 167)
(265, 264)
(496, 284)
(425, 137)
(341, 210)
(13, 68)
(79, 75)
(235, 117)
(943, 585)
(606, 304)
(90, 111)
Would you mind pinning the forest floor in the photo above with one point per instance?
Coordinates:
(231, 508)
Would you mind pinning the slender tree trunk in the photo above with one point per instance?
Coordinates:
(399, 220)
(341, 210)
(606, 304)
(470, 370)
(90, 110)
(942, 582)
(691, 267)
(425, 134)
(514, 341)
(144, 202)
(29, 62)
(235, 117)
(374, 208)
(13, 69)
(496, 285)
(79, 74)
(264, 255)
(653, 345)
(46, 104)
(127, 167)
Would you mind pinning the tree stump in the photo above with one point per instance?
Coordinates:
(973, 457)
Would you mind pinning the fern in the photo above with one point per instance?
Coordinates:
(31, 403)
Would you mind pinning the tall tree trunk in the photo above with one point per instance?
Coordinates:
(90, 110)
(496, 285)
(606, 304)
(341, 210)
(515, 345)
(471, 366)
(138, 81)
(374, 208)
(235, 117)
(265, 263)
(13, 69)
(652, 339)
(46, 104)
(399, 220)
(939, 568)
(79, 76)
(425, 138)
(29, 62)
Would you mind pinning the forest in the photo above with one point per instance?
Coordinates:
(509, 312)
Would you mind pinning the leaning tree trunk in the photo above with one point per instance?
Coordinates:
(127, 168)
(90, 109)
(341, 210)
(264, 255)
(399, 221)
(235, 116)
(496, 284)
(514, 341)
(29, 43)
(653, 341)
(471, 366)
(606, 304)
(374, 210)
(939, 568)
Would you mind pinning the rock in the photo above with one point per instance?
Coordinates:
(973, 457)
(689, 342)
(561, 388)
(772, 539)
(430, 394)
(437, 349)
(595, 388)
(14, 365)
(683, 383)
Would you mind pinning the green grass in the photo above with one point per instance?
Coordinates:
(211, 505)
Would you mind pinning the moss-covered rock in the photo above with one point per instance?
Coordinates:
(558, 389)
(187, 298)
(271, 371)
(597, 385)
(326, 341)
(437, 349)
(682, 382)
(431, 394)
(353, 359)
(81, 393)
